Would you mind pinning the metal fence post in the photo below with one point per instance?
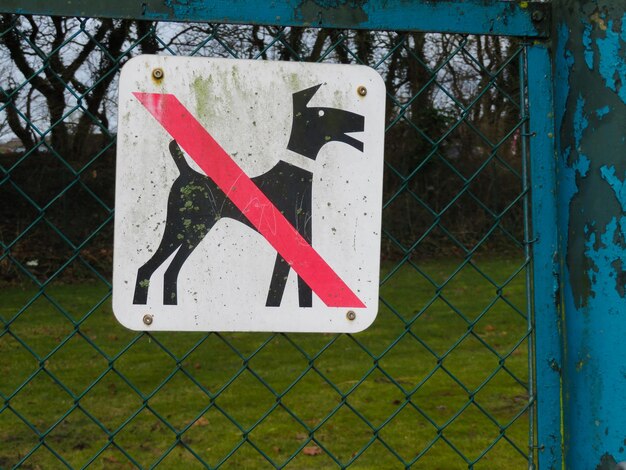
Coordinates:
(590, 103)
(545, 260)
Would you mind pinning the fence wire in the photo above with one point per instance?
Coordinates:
(443, 379)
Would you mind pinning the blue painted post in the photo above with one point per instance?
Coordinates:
(590, 104)
(548, 330)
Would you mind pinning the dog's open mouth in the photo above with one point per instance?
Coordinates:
(349, 123)
(348, 139)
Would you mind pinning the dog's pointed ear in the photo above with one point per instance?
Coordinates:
(302, 98)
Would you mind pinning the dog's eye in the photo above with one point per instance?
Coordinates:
(320, 113)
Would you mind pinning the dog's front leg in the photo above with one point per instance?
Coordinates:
(279, 281)
(305, 295)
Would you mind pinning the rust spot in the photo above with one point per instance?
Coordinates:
(597, 19)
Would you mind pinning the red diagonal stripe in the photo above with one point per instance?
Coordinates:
(250, 200)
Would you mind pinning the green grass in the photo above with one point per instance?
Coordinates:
(425, 379)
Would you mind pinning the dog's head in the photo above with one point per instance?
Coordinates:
(312, 127)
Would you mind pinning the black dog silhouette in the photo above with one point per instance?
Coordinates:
(196, 202)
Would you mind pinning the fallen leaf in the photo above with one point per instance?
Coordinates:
(520, 399)
(301, 436)
(311, 450)
(201, 421)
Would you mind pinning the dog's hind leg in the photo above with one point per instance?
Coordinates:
(170, 277)
(144, 273)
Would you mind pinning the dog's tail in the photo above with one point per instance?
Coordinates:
(179, 158)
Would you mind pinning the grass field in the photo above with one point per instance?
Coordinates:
(443, 377)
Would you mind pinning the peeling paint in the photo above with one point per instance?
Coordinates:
(591, 205)
(603, 111)
(612, 53)
(587, 43)
(607, 253)
(315, 12)
(580, 121)
(618, 185)
(591, 122)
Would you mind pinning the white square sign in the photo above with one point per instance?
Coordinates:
(248, 195)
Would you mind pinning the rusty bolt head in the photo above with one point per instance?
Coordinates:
(362, 91)
(157, 73)
(148, 319)
(351, 315)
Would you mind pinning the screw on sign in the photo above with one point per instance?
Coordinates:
(207, 197)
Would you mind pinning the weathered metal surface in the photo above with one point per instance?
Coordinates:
(472, 16)
(590, 99)
(279, 196)
(545, 258)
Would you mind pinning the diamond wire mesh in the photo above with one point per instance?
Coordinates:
(443, 379)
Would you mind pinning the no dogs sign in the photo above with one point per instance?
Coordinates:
(248, 195)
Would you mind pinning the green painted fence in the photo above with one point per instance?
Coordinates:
(443, 379)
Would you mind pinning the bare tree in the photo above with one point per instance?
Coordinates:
(63, 69)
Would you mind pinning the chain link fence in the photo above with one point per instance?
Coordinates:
(443, 378)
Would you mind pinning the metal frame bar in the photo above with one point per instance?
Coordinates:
(525, 19)
(545, 264)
